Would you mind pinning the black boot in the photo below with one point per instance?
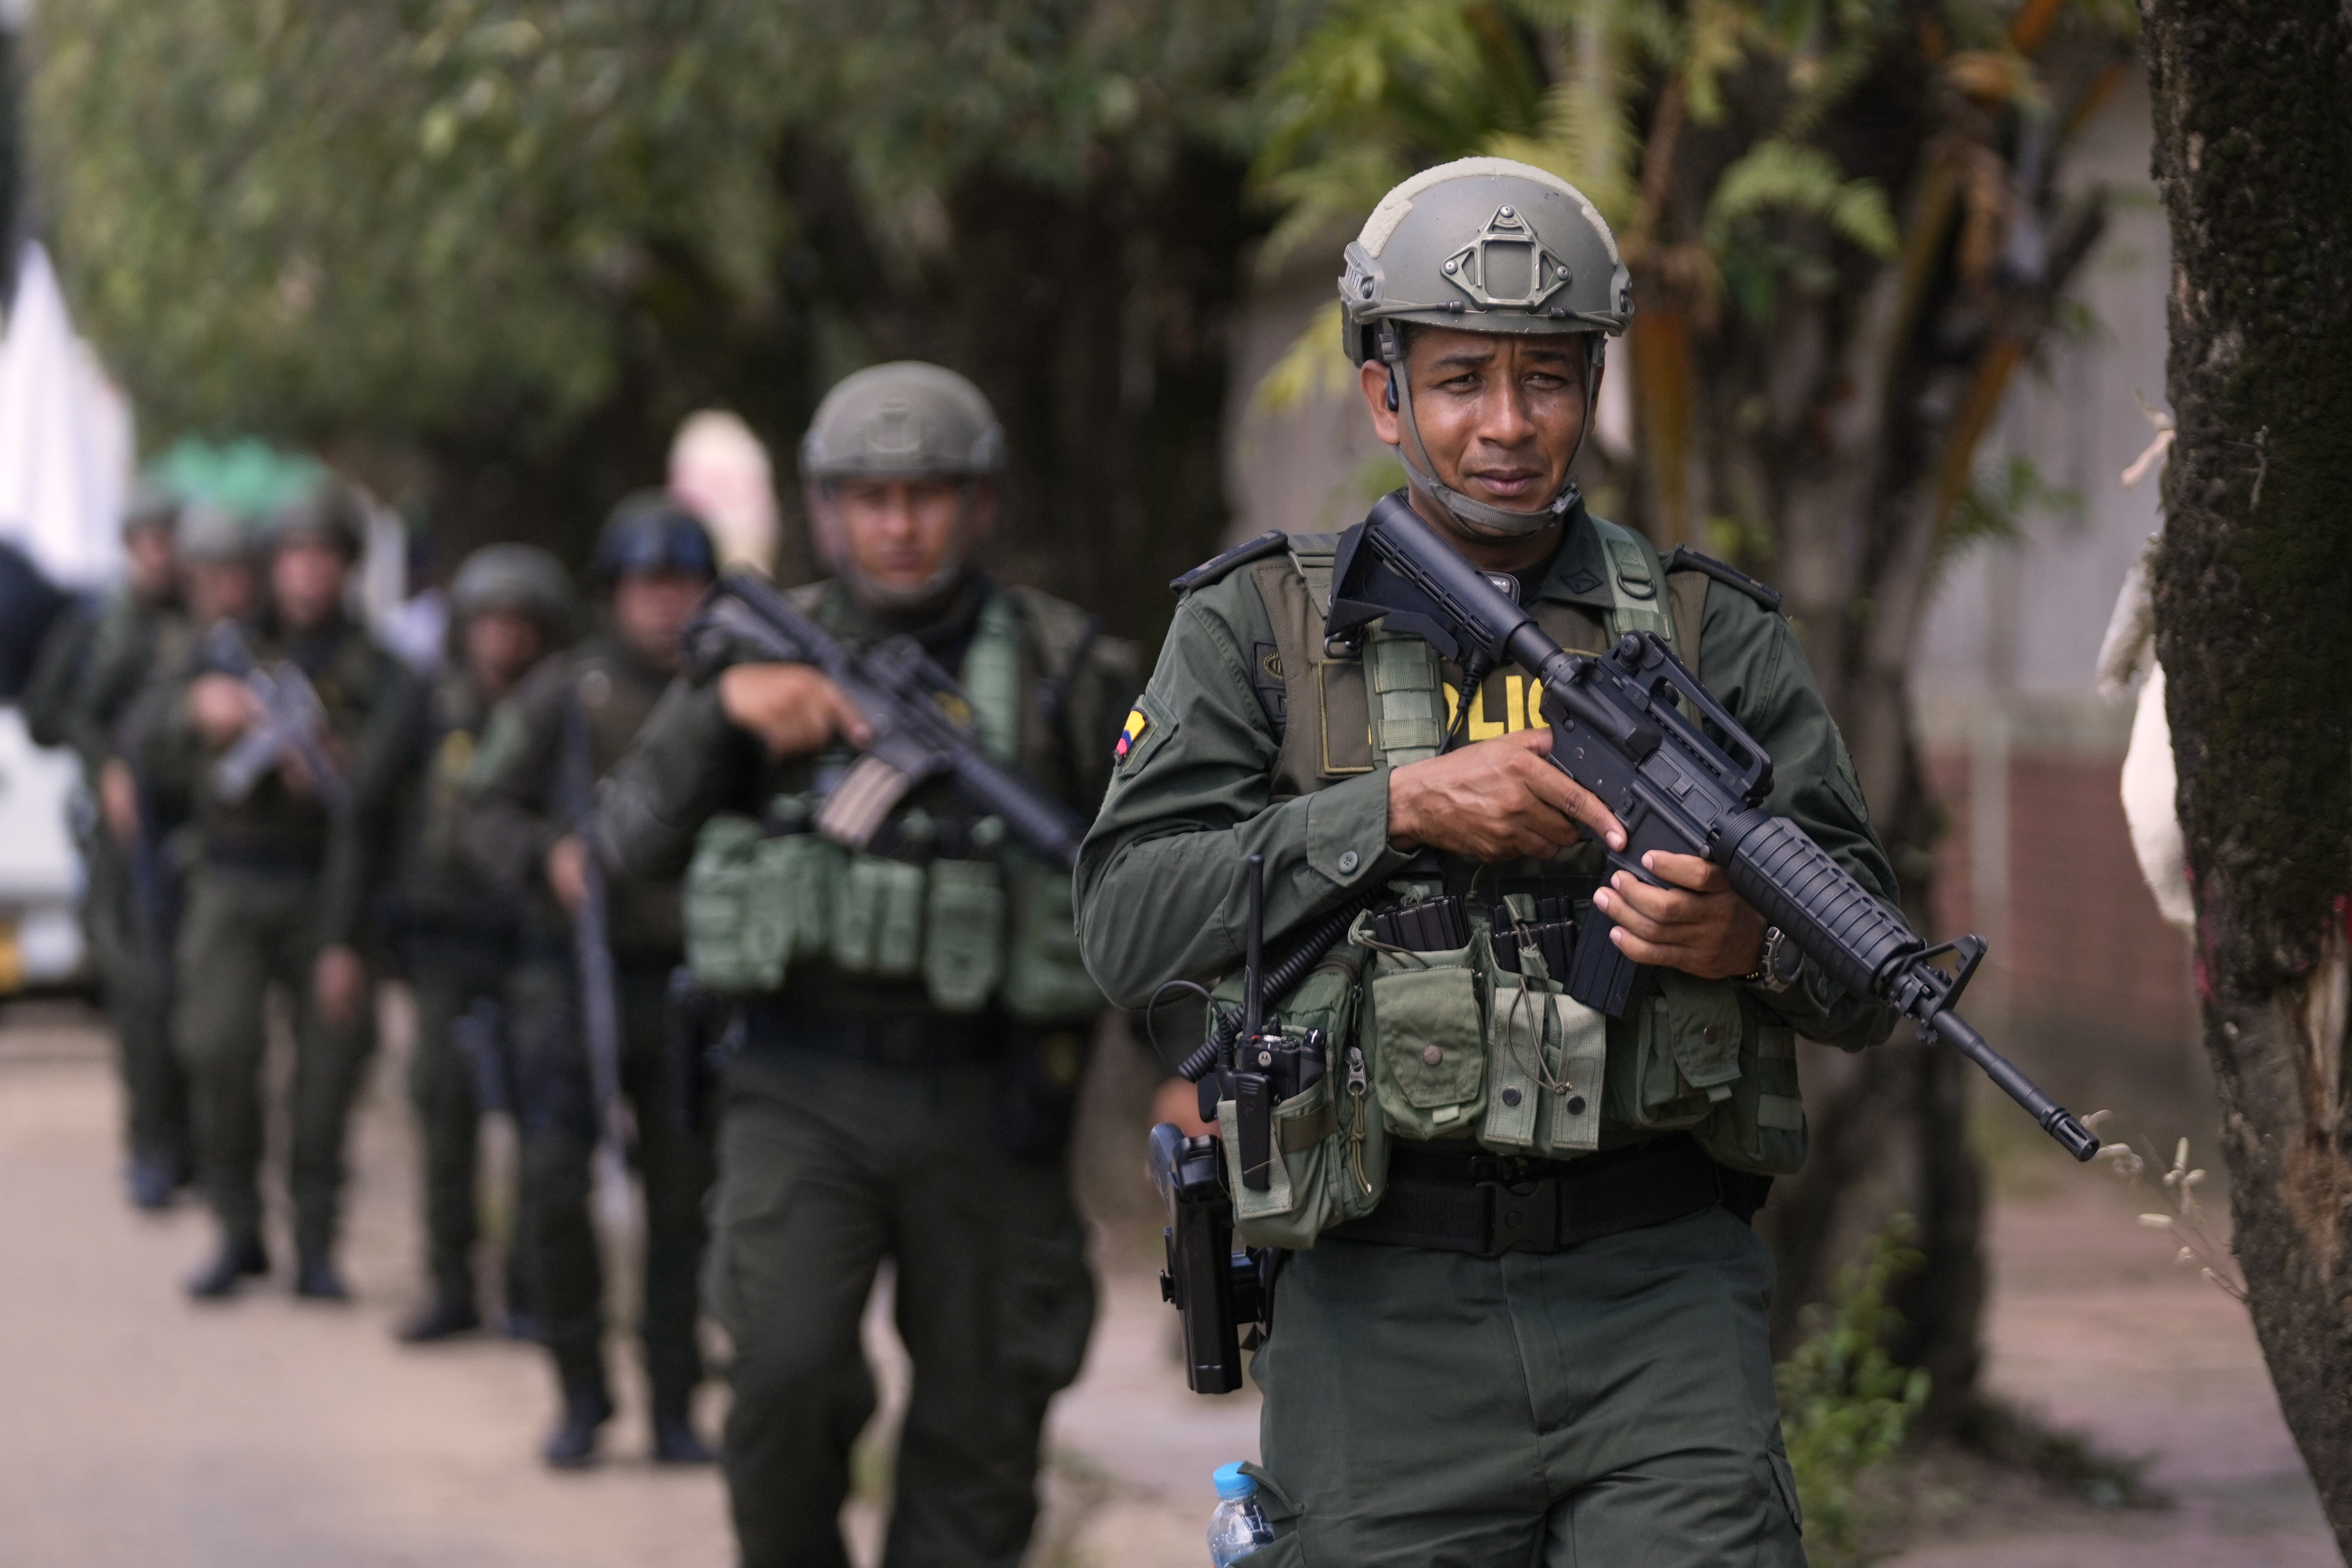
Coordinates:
(445, 1318)
(239, 1257)
(674, 1441)
(573, 1444)
(153, 1182)
(316, 1279)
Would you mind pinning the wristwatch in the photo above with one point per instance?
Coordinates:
(1777, 963)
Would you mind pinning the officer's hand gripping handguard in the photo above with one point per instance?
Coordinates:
(1617, 731)
(907, 701)
(293, 723)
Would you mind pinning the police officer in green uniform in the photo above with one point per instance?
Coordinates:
(91, 671)
(903, 1085)
(279, 889)
(1521, 1315)
(655, 559)
(457, 932)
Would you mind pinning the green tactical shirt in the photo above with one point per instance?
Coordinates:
(438, 887)
(515, 811)
(373, 704)
(1159, 886)
(132, 635)
(693, 762)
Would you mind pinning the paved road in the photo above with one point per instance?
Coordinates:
(271, 1434)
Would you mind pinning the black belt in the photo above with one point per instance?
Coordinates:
(1490, 1205)
(885, 1039)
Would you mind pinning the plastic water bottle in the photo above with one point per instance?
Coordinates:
(1238, 1527)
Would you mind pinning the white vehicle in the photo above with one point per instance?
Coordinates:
(40, 870)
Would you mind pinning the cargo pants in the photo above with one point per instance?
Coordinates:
(244, 931)
(558, 1153)
(135, 983)
(449, 971)
(827, 1166)
(1607, 1406)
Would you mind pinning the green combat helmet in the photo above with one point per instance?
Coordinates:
(519, 577)
(906, 420)
(330, 510)
(1482, 245)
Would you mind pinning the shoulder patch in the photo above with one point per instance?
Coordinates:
(1217, 567)
(1686, 558)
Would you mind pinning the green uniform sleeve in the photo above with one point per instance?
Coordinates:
(1750, 659)
(1159, 881)
(687, 763)
(58, 672)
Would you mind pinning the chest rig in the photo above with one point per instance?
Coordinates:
(1447, 1019)
(937, 899)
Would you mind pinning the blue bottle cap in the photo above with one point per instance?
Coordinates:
(1232, 1483)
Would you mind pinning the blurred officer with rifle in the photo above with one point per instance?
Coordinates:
(91, 669)
(586, 1008)
(286, 735)
(874, 786)
(1517, 1314)
(456, 932)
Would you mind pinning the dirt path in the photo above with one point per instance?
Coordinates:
(144, 1431)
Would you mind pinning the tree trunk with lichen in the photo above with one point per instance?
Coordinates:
(2253, 613)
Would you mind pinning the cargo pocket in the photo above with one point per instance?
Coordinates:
(1761, 1128)
(1580, 1059)
(1283, 1515)
(877, 924)
(1046, 976)
(1428, 1042)
(1685, 1053)
(1322, 1172)
(963, 943)
(1517, 1067)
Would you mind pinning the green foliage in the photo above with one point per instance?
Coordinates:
(1995, 507)
(387, 216)
(1845, 1406)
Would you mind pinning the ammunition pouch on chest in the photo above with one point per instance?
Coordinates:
(946, 904)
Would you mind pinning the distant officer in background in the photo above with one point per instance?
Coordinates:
(281, 885)
(455, 931)
(91, 669)
(655, 560)
(903, 1089)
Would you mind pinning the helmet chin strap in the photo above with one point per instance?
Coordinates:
(1476, 516)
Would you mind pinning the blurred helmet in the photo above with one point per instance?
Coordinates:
(328, 511)
(652, 532)
(212, 535)
(519, 577)
(906, 420)
(1482, 245)
(150, 507)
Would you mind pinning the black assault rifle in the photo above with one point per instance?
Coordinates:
(914, 708)
(293, 723)
(1617, 733)
(591, 954)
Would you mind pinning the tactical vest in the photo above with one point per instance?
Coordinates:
(1456, 1046)
(937, 899)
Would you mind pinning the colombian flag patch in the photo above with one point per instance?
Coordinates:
(1130, 733)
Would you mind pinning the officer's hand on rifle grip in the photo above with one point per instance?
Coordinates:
(1695, 924)
(221, 708)
(1496, 800)
(795, 709)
